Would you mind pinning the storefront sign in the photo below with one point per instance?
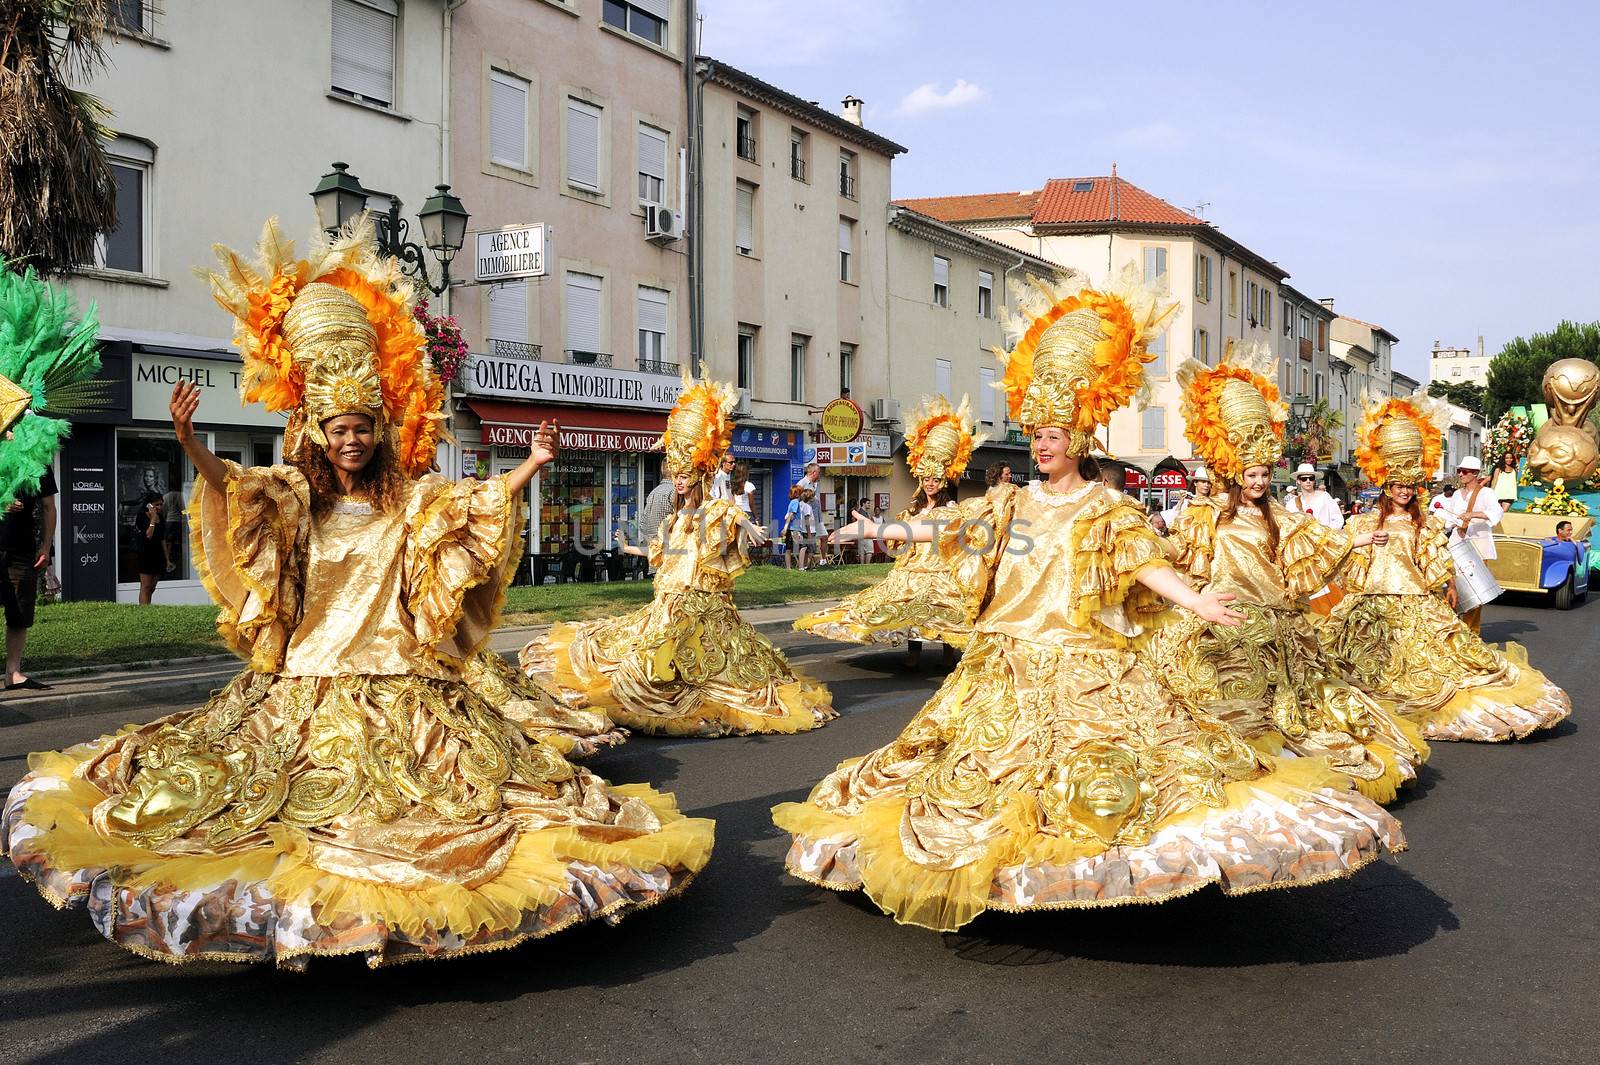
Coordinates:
(218, 379)
(521, 436)
(879, 445)
(1170, 479)
(750, 442)
(511, 253)
(880, 502)
(842, 420)
(548, 382)
(475, 464)
(88, 561)
(841, 454)
(1134, 477)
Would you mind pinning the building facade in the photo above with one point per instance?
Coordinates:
(1455, 366)
(203, 153)
(790, 263)
(569, 139)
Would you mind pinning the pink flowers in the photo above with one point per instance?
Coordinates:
(446, 346)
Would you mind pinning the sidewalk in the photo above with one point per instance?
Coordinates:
(189, 681)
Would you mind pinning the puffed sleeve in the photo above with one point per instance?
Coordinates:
(249, 544)
(723, 551)
(970, 539)
(1110, 549)
(462, 541)
(1434, 563)
(1192, 539)
(1309, 553)
(1359, 565)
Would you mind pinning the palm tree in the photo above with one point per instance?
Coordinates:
(57, 192)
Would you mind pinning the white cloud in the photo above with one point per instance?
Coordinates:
(927, 98)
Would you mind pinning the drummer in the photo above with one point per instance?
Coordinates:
(1471, 514)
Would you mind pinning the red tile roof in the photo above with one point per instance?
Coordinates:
(984, 207)
(1063, 201)
(1099, 199)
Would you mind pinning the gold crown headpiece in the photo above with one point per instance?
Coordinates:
(1401, 439)
(941, 440)
(699, 428)
(1078, 353)
(1232, 413)
(333, 334)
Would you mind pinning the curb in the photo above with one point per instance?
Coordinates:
(182, 682)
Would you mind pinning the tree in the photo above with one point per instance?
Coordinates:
(57, 193)
(1516, 375)
(1464, 394)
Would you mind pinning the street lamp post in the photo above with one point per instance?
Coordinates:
(1299, 421)
(340, 198)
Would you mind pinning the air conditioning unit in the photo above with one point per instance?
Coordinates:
(741, 409)
(662, 223)
(885, 409)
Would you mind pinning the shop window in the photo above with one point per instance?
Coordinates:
(625, 497)
(152, 473)
(571, 493)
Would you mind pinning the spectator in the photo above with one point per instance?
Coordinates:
(1307, 498)
(657, 505)
(27, 532)
(1505, 479)
(722, 480)
(799, 527)
(999, 473)
(745, 493)
(150, 526)
(1564, 532)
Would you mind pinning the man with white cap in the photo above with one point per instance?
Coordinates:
(1471, 514)
(1202, 488)
(1306, 498)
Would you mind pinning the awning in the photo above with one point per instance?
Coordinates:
(507, 424)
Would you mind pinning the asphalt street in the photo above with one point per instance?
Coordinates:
(1478, 945)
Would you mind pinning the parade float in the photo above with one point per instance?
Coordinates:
(1558, 483)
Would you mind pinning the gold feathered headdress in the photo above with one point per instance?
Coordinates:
(1232, 413)
(699, 428)
(1401, 440)
(941, 440)
(333, 334)
(1078, 353)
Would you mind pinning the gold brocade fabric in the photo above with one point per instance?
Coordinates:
(1051, 769)
(1267, 678)
(1395, 637)
(917, 600)
(686, 664)
(386, 789)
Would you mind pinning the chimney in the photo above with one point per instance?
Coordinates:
(852, 110)
(1327, 301)
(1480, 345)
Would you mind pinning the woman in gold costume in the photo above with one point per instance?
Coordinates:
(1396, 633)
(687, 664)
(919, 599)
(1267, 678)
(351, 792)
(1050, 769)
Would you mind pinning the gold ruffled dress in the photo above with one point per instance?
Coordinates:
(1050, 770)
(686, 664)
(918, 600)
(1396, 637)
(355, 791)
(1267, 678)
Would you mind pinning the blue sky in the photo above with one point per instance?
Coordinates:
(1433, 167)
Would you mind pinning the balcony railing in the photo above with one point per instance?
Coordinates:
(588, 358)
(847, 185)
(515, 349)
(797, 167)
(657, 366)
(747, 147)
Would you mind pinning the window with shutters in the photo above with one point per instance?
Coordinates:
(508, 120)
(847, 368)
(583, 297)
(941, 377)
(583, 145)
(1266, 309)
(1155, 429)
(985, 294)
(364, 49)
(847, 173)
(1316, 395)
(1202, 278)
(1288, 319)
(1233, 293)
(744, 133)
(745, 372)
(1158, 348)
(1322, 335)
(652, 164)
(127, 246)
(1250, 301)
(744, 221)
(137, 17)
(642, 18)
(1202, 346)
(652, 313)
(507, 327)
(941, 281)
(1155, 269)
(847, 243)
(798, 343)
(799, 153)
(986, 376)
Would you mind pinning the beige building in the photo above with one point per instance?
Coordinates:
(1368, 351)
(569, 127)
(790, 262)
(206, 143)
(1106, 225)
(1455, 366)
(948, 291)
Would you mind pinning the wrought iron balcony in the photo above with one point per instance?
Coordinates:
(797, 167)
(747, 147)
(847, 185)
(588, 358)
(657, 366)
(515, 349)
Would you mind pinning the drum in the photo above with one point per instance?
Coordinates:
(1475, 585)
